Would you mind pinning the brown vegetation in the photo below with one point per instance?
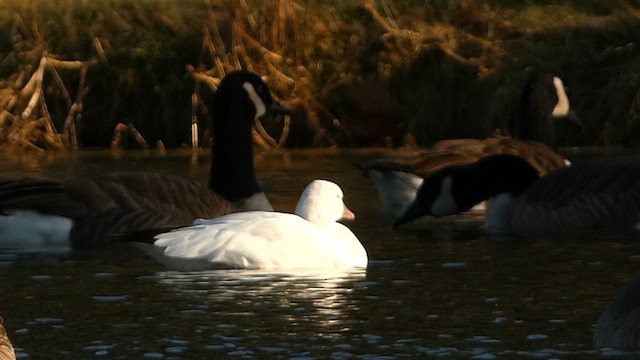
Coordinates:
(359, 73)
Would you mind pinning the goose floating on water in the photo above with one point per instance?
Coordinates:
(86, 213)
(587, 195)
(397, 180)
(544, 99)
(311, 238)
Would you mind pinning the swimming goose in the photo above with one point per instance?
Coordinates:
(584, 196)
(87, 212)
(618, 326)
(309, 238)
(543, 100)
(397, 179)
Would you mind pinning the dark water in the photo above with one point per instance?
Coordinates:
(436, 288)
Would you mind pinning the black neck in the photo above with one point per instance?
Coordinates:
(232, 170)
(494, 175)
(506, 173)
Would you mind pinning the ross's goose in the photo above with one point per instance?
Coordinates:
(311, 238)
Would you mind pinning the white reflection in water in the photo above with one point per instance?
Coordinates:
(323, 297)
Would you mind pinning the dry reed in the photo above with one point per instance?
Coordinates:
(454, 69)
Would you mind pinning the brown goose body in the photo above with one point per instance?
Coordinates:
(465, 151)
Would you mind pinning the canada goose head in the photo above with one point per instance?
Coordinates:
(241, 97)
(322, 203)
(544, 99)
(245, 96)
(455, 189)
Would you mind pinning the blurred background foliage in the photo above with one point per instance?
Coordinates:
(358, 72)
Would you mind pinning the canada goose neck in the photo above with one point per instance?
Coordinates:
(505, 174)
(489, 177)
(232, 169)
(474, 186)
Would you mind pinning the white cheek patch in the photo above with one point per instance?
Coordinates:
(562, 107)
(444, 203)
(261, 109)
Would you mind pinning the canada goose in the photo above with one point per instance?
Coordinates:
(618, 326)
(584, 196)
(398, 179)
(309, 238)
(543, 99)
(88, 212)
(6, 349)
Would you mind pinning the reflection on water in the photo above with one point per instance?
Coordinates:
(439, 287)
(323, 301)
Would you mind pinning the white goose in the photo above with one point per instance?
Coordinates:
(543, 100)
(309, 239)
(585, 196)
(87, 213)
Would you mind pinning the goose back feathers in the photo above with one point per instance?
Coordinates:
(602, 194)
(619, 325)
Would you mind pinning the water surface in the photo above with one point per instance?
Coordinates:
(435, 288)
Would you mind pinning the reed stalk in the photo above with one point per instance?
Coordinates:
(71, 71)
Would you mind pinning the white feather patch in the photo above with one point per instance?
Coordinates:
(31, 231)
(562, 107)
(261, 108)
(397, 190)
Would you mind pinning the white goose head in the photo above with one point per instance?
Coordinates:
(322, 203)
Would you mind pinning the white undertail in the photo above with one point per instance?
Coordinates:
(31, 231)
